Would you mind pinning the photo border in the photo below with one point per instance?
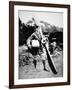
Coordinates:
(11, 43)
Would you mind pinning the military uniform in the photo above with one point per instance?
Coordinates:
(38, 50)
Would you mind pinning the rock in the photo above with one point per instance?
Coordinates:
(22, 49)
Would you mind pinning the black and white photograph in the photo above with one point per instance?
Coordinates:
(40, 44)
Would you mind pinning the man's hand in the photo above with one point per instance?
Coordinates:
(44, 40)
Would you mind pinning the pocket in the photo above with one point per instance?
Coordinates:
(35, 43)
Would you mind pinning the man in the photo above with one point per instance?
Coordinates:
(35, 46)
(41, 48)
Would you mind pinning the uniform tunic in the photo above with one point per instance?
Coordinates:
(37, 51)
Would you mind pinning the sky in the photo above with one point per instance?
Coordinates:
(53, 18)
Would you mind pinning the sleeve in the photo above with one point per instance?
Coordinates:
(29, 41)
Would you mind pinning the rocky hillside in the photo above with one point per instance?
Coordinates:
(25, 30)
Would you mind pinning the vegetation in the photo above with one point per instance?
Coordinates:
(25, 30)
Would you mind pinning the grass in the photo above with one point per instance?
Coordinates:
(28, 71)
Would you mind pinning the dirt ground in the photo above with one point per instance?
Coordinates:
(29, 71)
